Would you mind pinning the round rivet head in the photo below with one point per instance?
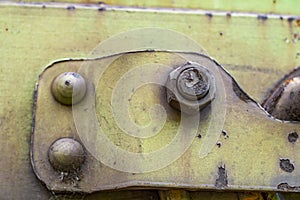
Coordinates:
(66, 154)
(69, 88)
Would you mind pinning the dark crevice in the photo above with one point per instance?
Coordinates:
(221, 181)
(286, 165)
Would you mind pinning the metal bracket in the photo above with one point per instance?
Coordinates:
(233, 144)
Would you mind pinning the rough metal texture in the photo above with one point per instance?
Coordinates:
(244, 169)
(283, 102)
(190, 88)
(265, 6)
(253, 50)
(66, 155)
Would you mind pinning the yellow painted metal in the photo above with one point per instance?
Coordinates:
(254, 51)
(288, 7)
(223, 38)
(250, 156)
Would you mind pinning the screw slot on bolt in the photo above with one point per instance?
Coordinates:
(192, 83)
(190, 88)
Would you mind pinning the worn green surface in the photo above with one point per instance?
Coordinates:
(258, 6)
(250, 155)
(254, 51)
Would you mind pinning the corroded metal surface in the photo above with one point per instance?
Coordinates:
(257, 6)
(249, 158)
(192, 87)
(254, 50)
(283, 102)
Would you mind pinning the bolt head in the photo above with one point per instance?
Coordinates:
(190, 88)
(193, 83)
(69, 88)
(66, 154)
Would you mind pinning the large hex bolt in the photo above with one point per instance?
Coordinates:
(190, 88)
(69, 88)
(66, 154)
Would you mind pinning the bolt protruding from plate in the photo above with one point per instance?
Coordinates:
(193, 83)
(190, 88)
(66, 154)
(69, 88)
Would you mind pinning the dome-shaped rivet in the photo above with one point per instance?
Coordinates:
(66, 154)
(69, 88)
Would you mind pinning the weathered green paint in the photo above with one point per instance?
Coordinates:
(239, 153)
(254, 51)
(257, 6)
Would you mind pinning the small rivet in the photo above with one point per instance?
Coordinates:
(66, 154)
(69, 88)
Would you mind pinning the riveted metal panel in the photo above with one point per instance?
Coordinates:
(252, 50)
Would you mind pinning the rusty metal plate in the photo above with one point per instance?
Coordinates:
(132, 138)
(272, 50)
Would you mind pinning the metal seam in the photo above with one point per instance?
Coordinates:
(104, 7)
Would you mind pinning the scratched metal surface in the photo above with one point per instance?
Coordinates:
(251, 49)
(257, 6)
(248, 157)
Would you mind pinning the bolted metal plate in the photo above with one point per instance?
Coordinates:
(271, 52)
(130, 141)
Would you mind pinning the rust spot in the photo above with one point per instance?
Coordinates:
(296, 37)
(210, 15)
(221, 181)
(72, 177)
(71, 8)
(290, 19)
(298, 22)
(286, 165)
(228, 14)
(102, 9)
(293, 136)
(262, 17)
(287, 187)
(225, 134)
